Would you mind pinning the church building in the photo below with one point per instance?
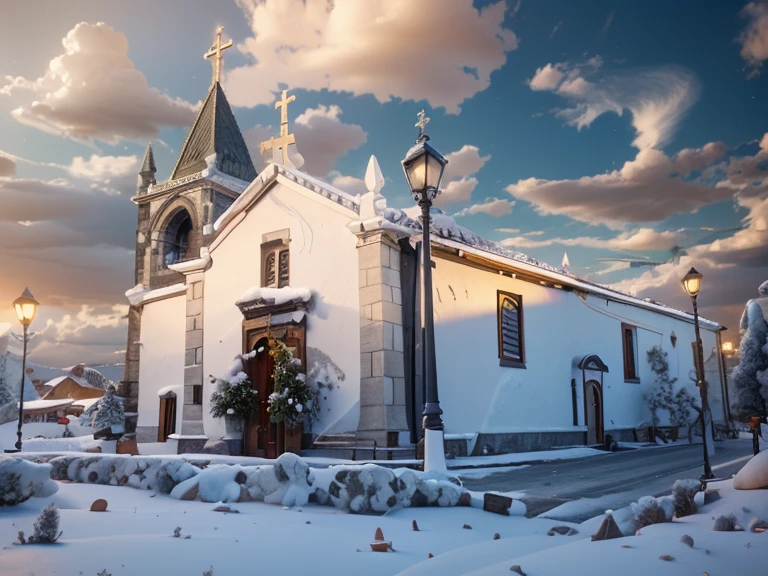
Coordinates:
(529, 356)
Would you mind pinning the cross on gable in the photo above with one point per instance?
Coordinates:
(285, 139)
(216, 53)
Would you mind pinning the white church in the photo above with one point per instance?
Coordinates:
(529, 356)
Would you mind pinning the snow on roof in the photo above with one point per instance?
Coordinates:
(139, 295)
(42, 404)
(273, 171)
(275, 296)
(451, 234)
(80, 381)
(86, 403)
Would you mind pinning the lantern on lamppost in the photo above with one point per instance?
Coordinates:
(26, 309)
(423, 167)
(692, 285)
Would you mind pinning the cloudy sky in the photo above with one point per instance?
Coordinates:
(618, 132)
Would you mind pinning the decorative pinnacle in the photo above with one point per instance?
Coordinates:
(422, 124)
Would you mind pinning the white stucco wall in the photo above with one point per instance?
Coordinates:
(162, 356)
(323, 257)
(479, 395)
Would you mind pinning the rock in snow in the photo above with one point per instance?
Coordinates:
(754, 475)
(21, 480)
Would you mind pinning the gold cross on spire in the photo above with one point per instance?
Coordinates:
(422, 123)
(215, 53)
(285, 139)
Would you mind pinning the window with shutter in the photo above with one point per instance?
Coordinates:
(284, 277)
(269, 270)
(629, 345)
(510, 327)
(276, 265)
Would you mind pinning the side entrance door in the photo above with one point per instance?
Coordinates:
(593, 412)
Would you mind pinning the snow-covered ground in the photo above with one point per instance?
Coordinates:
(53, 440)
(135, 538)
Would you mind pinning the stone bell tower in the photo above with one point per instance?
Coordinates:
(175, 227)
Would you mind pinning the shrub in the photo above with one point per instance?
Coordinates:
(683, 493)
(46, 527)
(649, 510)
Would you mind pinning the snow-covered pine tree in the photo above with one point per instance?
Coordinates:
(46, 526)
(110, 411)
(663, 397)
(749, 380)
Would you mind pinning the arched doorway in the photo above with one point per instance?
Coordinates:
(261, 436)
(167, 424)
(176, 237)
(593, 412)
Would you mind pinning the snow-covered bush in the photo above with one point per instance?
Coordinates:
(21, 480)
(749, 380)
(649, 510)
(663, 396)
(46, 527)
(683, 494)
(293, 398)
(726, 524)
(234, 397)
(107, 412)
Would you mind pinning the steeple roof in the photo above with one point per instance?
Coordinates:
(148, 165)
(215, 131)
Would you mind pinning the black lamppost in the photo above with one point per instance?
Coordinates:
(26, 308)
(692, 285)
(423, 166)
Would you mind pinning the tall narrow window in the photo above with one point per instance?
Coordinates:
(629, 343)
(510, 326)
(276, 265)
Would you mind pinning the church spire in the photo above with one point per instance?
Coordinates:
(215, 139)
(147, 171)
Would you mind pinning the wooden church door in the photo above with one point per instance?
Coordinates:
(261, 437)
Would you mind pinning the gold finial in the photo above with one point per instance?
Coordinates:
(285, 139)
(215, 52)
(422, 123)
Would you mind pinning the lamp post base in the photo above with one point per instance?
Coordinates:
(434, 451)
(11, 451)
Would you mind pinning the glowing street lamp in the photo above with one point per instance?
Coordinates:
(26, 308)
(692, 285)
(423, 167)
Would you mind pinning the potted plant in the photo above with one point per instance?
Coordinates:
(293, 399)
(236, 402)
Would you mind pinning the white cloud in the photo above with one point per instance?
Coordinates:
(754, 38)
(458, 183)
(104, 168)
(348, 183)
(635, 240)
(321, 138)
(647, 189)
(495, 207)
(369, 48)
(93, 90)
(656, 98)
(7, 167)
(547, 77)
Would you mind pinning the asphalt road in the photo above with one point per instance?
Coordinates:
(613, 480)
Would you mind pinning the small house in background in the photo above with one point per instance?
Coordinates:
(79, 383)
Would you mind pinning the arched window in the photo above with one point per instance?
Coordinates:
(176, 237)
(510, 321)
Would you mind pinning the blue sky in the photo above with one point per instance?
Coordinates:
(571, 116)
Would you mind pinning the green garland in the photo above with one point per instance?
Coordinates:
(293, 399)
(235, 399)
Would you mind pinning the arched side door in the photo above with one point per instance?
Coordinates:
(593, 412)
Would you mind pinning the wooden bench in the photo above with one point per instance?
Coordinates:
(363, 446)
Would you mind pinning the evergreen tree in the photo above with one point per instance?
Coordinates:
(6, 396)
(293, 398)
(110, 411)
(749, 380)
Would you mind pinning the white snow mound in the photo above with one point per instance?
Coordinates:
(21, 480)
(754, 475)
